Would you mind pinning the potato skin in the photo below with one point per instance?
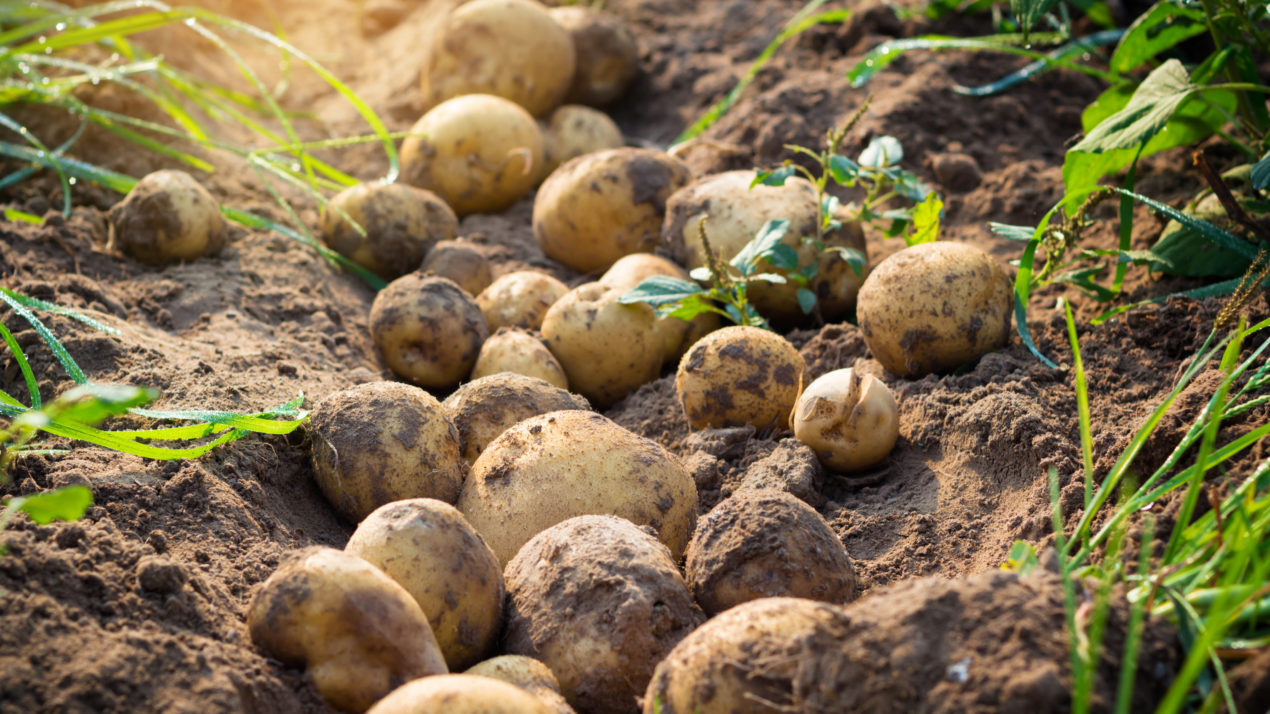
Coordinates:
(359, 634)
(933, 307)
(517, 351)
(167, 217)
(427, 330)
(402, 224)
(552, 467)
(599, 207)
(607, 54)
(600, 622)
(631, 270)
(459, 694)
(574, 130)
(530, 675)
(381, 442)
(484, 408)
(520, 299)
(740, 375)
(461, 262)
(850, 420)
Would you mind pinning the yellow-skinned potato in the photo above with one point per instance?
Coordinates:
(933, 307)
(484, 408)
(530, 675)
(517, 351)
(740, 375)
(509, 48)
(427, 330)
(479, 152)
(552, 467)
(381, 442)
(607, 54)
(574, 130)
(459, 694)
(358, 633)
(597, 208)
(520, 299)
(167, 217)
(850, 420)
(401, 222)
(461, 262)
(631, 270)
(427, 547)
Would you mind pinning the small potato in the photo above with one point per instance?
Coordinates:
(631, 270)
(738, 376)
(427, 547)
(401, 222)
(509, 48)
(530, 675)
(600, 601)
(607, 54)
(479, 152)
(380, 442)
(933, 307)
(461, 262)
(427, 330)
(850, 420)
(517, 351)
(520, 299)
(597, 208)
(167, 217)
(554, 466)
(574, 131)
(358, 633)
(486, 407)
(459, 694)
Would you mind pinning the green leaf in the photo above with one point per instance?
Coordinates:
(1022, 234)
(884, 54)
(843, 170)
(1145, 257)
(1260, 176)
(1150, 108)
(93, 403)
(62, 504)
(660, 290)
(783, 256)
(1165, 25)
(1021, 558)
(775, 177)
(769, 236)
(702, 274)
(690, 307)
(1209, 231)
(806, 300)
(772, 278)
(855, 258)
(926, 220)
(1028, 12)
(13, 214)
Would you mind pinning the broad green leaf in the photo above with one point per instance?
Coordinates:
(62, 504)
(688, 308)
(1148, 110)
(806, 300)
(1021, 558)
(782, 256)
(1165, 25)
(772, 278)
(1260, 176)
(926, 217)
(660, 290)
(775, 177)
(769, 236)
(844, 170)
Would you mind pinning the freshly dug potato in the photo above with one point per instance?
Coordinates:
(607, 349)
(479, 152)
(461, 262)
(520, 299)
(509, 48)
(740, 375)
(402, 223)
(484, 408)
(459, 694)
(607, 55)
(933, 307)
(427, 330)
(600, 601)
(167, 217)
(597, 208)
(574, 130)
(631, 270)
(517, 351)
(358, 633)
(766, 543)
(427, 547)
(530, 675)
(554, 466)
(381, 442)
(850, 420)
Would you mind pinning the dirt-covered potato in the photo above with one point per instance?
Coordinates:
(167, 217)
(459, 694)
(431, 551)
(520, 299)
(597, 208)
(555, 466)
(530, 675)
(381, 442)
(766, 543)
(484, 408)
(631, 270)
(461, 262)
(401, 222)
(479, 152)
(517, 351)
(933, 307)
(600, 601)
(740, 375)
(849, 419)
(607, 54)
(358, 633)
(574, 130)
(607, 349)
(427, 330)
(509, 48)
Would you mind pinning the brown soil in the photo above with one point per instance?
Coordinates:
(139, 607)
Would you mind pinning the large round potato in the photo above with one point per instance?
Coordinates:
(555, 466)
(427, 547)
(479, 152)
(600, 601)
(849, 419)
(381, 442)
(461, 262)
(459, 694)
(602, 206)
(933, 307)
(530, 675)
(401, 225)
(574, 131)
(631, 270)
(427, 330)
(520, 299)
(167, 217)
(738, 376)
(608, 57)
(484, 408)
(358, 633)
(520, 352)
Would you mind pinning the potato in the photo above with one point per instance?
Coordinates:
(479, 152)
(766, 543)
(401, 222)
(427, 547)
(380, 442)
(933, 307)
(574, 131)
(530, 675)
(607, 55)
(358, 633)
(600, 601)
(597, 208)
(850, 420)
(484, 408)
(459, 694)
(738, 376)
(520, 299)
(461, 262)
(554, 466)
(427, 330)
(509, 48)
(517, 351)
(631, 270)
(167, 217)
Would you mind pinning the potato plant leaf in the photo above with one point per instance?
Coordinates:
(1022, 234)
(1165, 25)
(769, 236)
(1260, 176)
(774, 177)
(843, 170)
(660, 290)
(61, 504)
(806, 300)
(926, 220)
(1146, 113)
(1021, 558)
